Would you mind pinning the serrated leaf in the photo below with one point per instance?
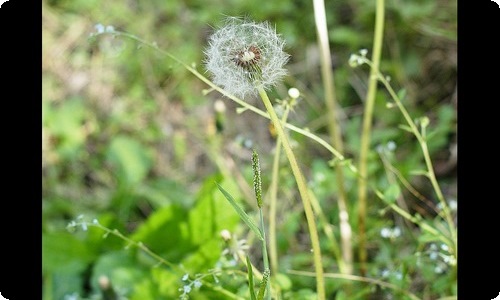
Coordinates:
(243, 215)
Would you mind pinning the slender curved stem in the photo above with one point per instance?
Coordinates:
(304, 194)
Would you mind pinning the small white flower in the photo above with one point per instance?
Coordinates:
(396, 232)
(385, 273)
(453, 204)
(243, 54)
(197, 283)
(185, 277)
(385, 232)
(84, 226)
(391, 146)
(186, 289)
(225, 234)
(99, 28)
(363, 52)
(353, 60)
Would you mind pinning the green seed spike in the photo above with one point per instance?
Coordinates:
(257, 182)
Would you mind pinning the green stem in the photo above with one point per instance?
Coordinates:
(273, 191)
(365, 137)
(301, 183)
(265, 258)
(335, 133)
(430, 169)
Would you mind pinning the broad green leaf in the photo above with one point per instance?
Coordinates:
(211, 214)
(243, 215)
(121, 269)
(63, 252)
(165, 233)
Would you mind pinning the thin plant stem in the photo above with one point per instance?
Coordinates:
(273, 191)
(335, 132)
(327, 229)
(265, 257)
(366, 132)
(304, 194)
(430, 169)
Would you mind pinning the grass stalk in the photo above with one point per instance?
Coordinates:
(335, 132)
(366, 132)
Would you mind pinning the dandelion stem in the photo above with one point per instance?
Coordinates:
(301, 183)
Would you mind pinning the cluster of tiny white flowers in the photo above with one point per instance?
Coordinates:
(79, 221)
(100, 29)
(390, 233)
(389, 147)
(257, 46)
(356, 60)
(188, 287)
(386, 273)
(440, 255)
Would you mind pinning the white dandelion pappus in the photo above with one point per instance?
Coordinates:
(242, 54)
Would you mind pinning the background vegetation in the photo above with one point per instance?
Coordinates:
(131, 139)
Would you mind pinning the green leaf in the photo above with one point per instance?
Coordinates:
(133, 160)
(243, 215)
(165, 232)
(405, 128)
(402, 94)
(63, 252)
(250, 279)
(211, 214)
(121, 269)
(392, 193)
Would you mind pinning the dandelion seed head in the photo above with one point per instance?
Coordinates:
(242, 54)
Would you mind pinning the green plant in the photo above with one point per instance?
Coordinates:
(139, 148)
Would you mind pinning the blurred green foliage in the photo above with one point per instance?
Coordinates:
(129, 139)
